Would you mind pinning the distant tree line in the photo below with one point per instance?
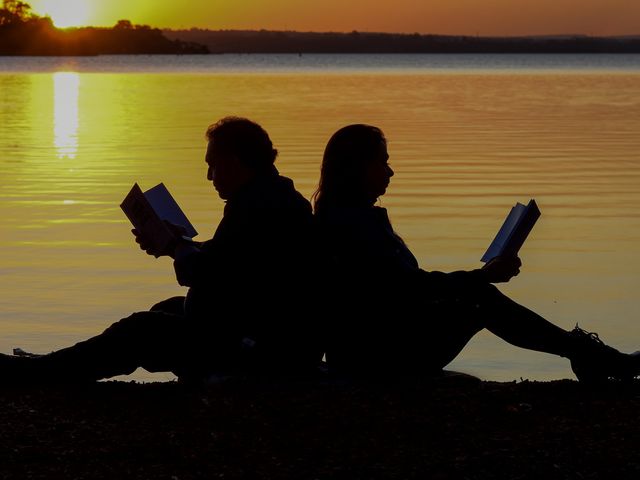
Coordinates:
(265, 41)
(24, 33)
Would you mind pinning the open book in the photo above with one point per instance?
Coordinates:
(514, 231)
(148, 210)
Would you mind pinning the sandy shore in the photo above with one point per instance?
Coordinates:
(452, 428)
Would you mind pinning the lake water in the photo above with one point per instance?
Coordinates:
(468, 137)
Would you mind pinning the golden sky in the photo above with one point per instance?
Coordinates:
(468, 17)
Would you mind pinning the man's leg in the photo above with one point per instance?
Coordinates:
(155, 341)
(173, 305)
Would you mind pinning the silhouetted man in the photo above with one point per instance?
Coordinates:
(244, 309)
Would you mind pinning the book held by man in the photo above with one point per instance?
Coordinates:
(514, 231)
(147, 211)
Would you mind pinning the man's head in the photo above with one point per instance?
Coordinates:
(238, 151)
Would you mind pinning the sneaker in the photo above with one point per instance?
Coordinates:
(18, 352)
(595, 362)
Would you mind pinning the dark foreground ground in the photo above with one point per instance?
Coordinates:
(452, 428)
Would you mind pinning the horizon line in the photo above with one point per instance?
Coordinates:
(369, 32)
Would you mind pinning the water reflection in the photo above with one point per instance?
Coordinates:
(465, 147)
(65, 116)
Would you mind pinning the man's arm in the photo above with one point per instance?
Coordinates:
(190, 263)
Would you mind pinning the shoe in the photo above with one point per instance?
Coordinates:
(595, 362)
(18, 352)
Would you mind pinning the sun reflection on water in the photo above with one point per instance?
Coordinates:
(65, 121)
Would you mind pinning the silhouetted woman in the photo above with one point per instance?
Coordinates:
(387, 315)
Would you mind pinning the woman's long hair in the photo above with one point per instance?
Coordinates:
(342, 177)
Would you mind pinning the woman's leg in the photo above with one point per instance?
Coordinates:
(591, 360)
(520, 326)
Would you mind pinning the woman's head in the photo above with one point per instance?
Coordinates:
(354, 168)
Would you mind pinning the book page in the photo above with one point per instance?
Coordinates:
(168, 209)
(524, 226)
(144, 218)
(499, 243)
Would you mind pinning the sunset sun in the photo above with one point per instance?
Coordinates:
(67, 13)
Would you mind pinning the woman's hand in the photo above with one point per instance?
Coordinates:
(502, 269)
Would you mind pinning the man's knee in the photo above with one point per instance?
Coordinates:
(141, 324)
(173, 305)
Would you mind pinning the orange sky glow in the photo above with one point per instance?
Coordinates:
(464, 17)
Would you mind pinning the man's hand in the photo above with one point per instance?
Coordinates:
(147, 245)
(502, 269)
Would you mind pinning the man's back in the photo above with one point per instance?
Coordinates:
(249, 283)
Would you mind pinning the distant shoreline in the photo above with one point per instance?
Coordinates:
(24, 33)
(27, 35)
(38, 37)
(270, 41)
